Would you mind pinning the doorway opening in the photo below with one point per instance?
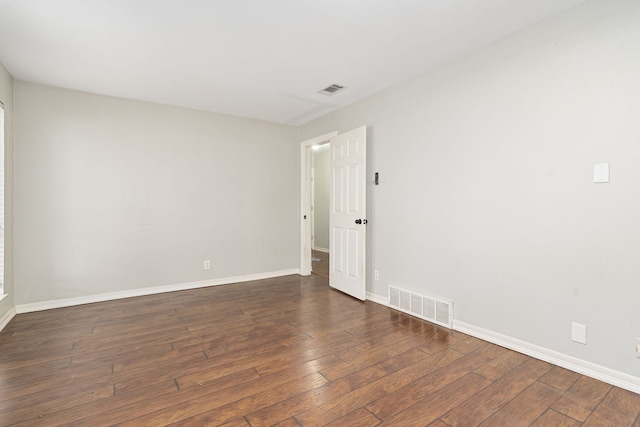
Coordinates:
(306, 189)
(320, 185)
(347, 216)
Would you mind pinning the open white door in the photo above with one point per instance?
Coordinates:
(347, 220)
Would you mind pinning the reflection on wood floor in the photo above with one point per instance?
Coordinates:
(320, 263)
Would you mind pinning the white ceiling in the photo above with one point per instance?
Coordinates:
(253, 58)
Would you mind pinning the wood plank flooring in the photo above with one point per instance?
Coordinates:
(321, 266)
(284, 352)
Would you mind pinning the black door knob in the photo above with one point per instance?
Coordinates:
(358, 221)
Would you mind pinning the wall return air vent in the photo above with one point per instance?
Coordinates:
(425, 307)
(331, 90)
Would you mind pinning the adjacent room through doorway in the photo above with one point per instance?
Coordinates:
(320, 184)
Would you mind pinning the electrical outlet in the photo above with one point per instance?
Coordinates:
(638, 348)
(579, 333)
(376, 274)
(207, 264)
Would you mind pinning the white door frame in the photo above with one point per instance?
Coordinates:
(305, 199)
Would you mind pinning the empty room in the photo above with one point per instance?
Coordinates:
(295, 213)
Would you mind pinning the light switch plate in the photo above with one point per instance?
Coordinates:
(601, 173)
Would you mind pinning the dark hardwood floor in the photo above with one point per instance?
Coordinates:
(320, 263)
(288, 352)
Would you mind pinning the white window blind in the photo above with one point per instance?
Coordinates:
(1, 199)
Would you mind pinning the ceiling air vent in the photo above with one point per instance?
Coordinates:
(330, 90)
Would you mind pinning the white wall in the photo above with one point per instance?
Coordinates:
(321, 184)
(114, 195)
(6, 96)
(486, 193)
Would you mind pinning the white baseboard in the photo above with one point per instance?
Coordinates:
(610, 376)
(48, 305)
(319, 249)
(607, 375)
(377, 299)
(4, 320)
